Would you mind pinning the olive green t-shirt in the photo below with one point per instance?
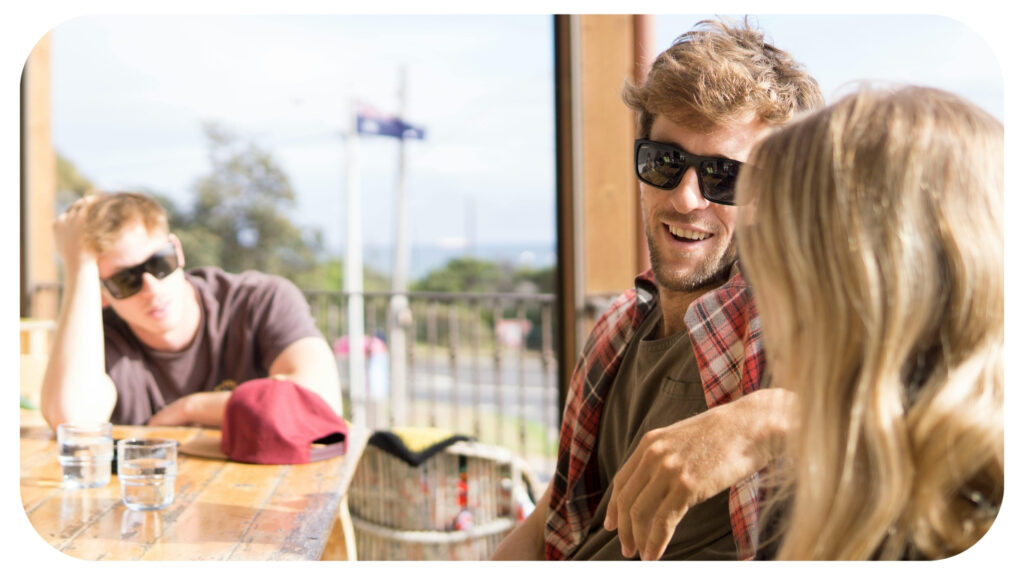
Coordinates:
(658, 384)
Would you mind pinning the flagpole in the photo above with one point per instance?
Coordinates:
(354, 278)
(400, 316)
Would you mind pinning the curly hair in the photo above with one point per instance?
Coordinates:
(112, 212)
(874, 246)
(718, 73)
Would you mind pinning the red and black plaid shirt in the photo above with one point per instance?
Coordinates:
(726, 333)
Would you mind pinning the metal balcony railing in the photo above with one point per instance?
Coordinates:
(479, 364)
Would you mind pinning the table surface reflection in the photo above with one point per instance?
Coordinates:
(222, 510)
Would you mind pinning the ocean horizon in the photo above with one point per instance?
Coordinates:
(425, 258)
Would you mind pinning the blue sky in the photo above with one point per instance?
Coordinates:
(287, 84)
(130, 95)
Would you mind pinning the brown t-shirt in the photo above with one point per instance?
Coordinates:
(658, 384)
(247, 320)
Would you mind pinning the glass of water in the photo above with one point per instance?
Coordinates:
(85, 451)
(147, 469)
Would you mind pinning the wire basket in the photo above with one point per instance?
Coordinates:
(457, 505)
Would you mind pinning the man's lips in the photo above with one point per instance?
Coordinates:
(687, 234)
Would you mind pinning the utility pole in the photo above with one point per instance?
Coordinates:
(399, 315)
(354, 278)
(469, 217)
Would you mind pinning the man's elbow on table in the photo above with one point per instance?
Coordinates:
(85, 405)
(310, 363)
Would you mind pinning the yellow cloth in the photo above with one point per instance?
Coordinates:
(414, 445)
(420, 438)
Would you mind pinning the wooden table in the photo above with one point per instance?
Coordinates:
(221, 509)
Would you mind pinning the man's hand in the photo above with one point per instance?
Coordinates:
(205, 408)
(69, 231)
(679, 466)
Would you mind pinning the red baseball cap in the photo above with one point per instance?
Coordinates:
(277, 421)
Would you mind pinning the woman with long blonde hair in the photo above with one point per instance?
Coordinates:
(873, 240)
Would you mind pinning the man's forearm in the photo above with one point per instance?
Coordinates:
(526, 541)
(767, 414)
(75, 385)
(204, 408)
(310, 363)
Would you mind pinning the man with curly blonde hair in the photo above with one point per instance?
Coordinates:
(140, 340)
(665, 426)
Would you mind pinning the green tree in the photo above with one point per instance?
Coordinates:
(239, 216)
(71, 183)
(542, 279)
(329, 274)
(471, 275)
(465, 275)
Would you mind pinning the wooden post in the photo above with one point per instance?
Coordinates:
(601, 244)
(38, 188)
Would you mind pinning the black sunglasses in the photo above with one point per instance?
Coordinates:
(128, 282)
(663, 165)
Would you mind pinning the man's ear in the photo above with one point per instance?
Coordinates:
(178, 250)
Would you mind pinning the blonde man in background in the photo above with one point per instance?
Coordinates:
(140, 340)
(873, 241)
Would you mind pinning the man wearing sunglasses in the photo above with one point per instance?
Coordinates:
(141, 341)
(665, 425)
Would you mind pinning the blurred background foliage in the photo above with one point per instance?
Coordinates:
(238, 219)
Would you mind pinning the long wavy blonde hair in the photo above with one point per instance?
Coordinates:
(874, 245)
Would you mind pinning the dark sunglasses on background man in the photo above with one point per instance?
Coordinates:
(128, 282)
(663, 165)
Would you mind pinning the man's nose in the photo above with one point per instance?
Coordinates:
(686, 197)
(149, 284)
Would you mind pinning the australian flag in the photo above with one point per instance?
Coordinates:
(370, 121)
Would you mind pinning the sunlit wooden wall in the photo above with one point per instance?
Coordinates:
(38, 186)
